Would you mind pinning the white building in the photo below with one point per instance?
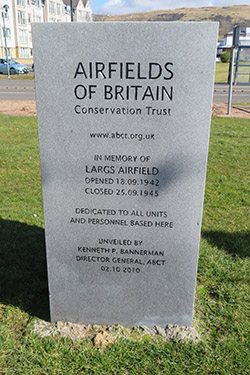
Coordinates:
(22, 13)
(226, 44)
(56, 11)
(81, 10)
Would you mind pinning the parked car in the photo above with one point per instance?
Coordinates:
(15, 67)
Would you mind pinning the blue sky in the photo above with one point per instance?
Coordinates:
(129, 6)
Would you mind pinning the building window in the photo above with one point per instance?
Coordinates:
(30, 36)
(58, 9)
(7, 31)
(88, 16)
(38, 19)
(38, 4)
(23, 36)
(28, 2)
(24, 53)
(6, 15)
(80, 15)
(29, 18)
(8, 53)
(21, 3)
(67, 9)
(52, 7)
(31, 52)
(21, 17)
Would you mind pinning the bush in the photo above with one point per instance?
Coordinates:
(225, 57)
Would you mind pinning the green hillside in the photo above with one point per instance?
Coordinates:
(227, 16)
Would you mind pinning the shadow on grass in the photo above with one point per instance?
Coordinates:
(233, 243)
(23, 271)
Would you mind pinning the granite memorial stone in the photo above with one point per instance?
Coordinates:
(124, 114)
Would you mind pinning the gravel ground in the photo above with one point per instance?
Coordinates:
(28, 108)
(102, 336)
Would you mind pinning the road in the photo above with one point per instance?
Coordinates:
(241, 93)
(17, 90)
(25, 90)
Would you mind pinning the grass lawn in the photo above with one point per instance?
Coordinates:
(221, 72)
(244, 73)
(222, 297)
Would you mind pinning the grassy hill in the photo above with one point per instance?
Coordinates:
(227, 16)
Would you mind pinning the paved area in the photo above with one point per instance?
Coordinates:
(241, 93)
(25, 90)
(17, 90)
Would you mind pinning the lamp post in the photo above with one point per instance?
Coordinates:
(71, 11)
(235, 44)
(4, 11)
